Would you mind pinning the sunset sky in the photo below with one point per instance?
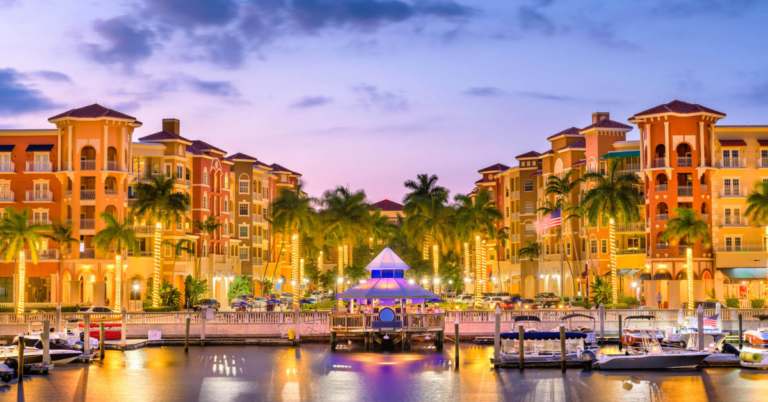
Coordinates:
(369, 93)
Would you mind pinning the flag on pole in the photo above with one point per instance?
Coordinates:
(710, 321)
(549, 221)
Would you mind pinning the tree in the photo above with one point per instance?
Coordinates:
(312, 273)
(477, 217)
(158, 202)
(687, 226)
(502, 235)
(169, 295)
(432, 219)
(291, 211)
(380, 227)
(614, 197)
(194, 290)
(355, 273)
(18, 232)
(757, 207)
(580, 213)
(266, 286)
(424, 186)
(240, 286)
(122, 236)
(601, 291)
(181, 246)
(61, 234)
(209, 226)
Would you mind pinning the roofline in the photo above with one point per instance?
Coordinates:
(133, 122)
(28, 130)
(556, 136)
(185, 142)
(626, 130)
(634, 119)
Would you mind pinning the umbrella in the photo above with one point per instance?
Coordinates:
(274, 301)
(304, 301)
(239, 304)
(436, 300)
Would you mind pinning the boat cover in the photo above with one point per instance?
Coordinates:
(543, 336)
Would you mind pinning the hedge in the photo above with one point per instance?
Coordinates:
(732, 302)
(757, 303)
(162, 309)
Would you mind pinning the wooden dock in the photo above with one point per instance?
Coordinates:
(408, 326)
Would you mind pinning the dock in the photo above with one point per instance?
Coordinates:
(367, 327)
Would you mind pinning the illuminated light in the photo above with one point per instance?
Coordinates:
(118, 282)
(340, 280)
(436, 261)
(689, 255)
(341, 273)
(425, 249)
(614, 277)
(437, 280)
(410, 281)
(22, 280)
(466, 260)
(158, 263)
(301, 271)
(541, 276)
(135, 287)
(93, 278)
(450, 282)
(231, 278)
(295, 267)
(634, 284)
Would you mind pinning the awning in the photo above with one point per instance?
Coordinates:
(682, 275)
(763, 143)
(732, 143)
(662, 276)
(6, 148)
(743, 273)
(622, 154)
(623, 272)
(40, 148)
(580, 163)
(538, 173)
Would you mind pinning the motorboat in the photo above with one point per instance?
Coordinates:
(33, 352)
(572, 326)
(758, 336)
(634, 332)
(112, 330)
(687, 336)
(649, 356)
(539, 346)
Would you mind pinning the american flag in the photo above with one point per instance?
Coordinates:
(549, 221)
(710, 321)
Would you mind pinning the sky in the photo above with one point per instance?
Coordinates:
(370, 93)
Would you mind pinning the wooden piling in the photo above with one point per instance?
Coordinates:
(124, 329)
(521, 344)
(700, 327)
(202, 324)
(741, 334)
(456, 343)
(45, 336)
(186, 334)
(102, 340)
(496, 334)
(21, 357)
(59, 324)
(562, 348)
(620, 342)
(602, 324)
(87, 334)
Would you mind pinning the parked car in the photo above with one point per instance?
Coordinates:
(547, 300)
(528, 304)
(259, 302)
(508, 304)
(516, 297)
(492, 301)
(94, 309)
(706, 305)
(465, 299)
(286, 297)
(207, 303)
(247, 299)
(312, 300)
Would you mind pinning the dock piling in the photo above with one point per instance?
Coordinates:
(60, 325)
(45, 336)
(297, 323)
(456, 339)
(521, 344)
(741, 334)
(186, 334)
(102, 340)
(620, 342)
(496, 334)
(21, 357)
(202, 324)
(602, 323)
(124, 329)
(87, 334)
(562, 348)
(700, 327)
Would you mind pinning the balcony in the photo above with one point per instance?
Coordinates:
(131, 202)
(705, 217)
(114, 166)
(87, 224)
(39, 222)
(7, 167)
(631, 227)
(682, 249)
(7, 196)
(659, 162)
(108, 191)
(257, 261)
(662, 246)
(256, 196)
(39, 196)
(733, 163)
(740, 248)
(762, 163)
(143, 229)
(662, 187)
(87, 195)
(684, 191)
(87, 164)
(662, 217)
(144, 253)
(219, 258)
(88, 253)
(42, 167)
(733, 192)
(145, 177)
(630, 251)
(704, 188)
(257, 218)
(45, 255)
(684, 161)
(734, 222)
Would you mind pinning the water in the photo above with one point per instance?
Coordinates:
(314, 373)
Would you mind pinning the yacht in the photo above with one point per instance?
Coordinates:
(650, 356)
(539, 346)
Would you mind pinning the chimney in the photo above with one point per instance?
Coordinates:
(597, 116)
(171, 125)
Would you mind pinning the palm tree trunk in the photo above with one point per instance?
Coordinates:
(562, 269)
(61, 283)
(614, 278)
(21, 277)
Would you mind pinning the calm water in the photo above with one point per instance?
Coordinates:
(314, 373)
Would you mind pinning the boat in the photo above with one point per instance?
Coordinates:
(112, 331)
(633, 335)
(687, 337)
(539, 346)
(651, 356)
(584, 329)
(758, 336)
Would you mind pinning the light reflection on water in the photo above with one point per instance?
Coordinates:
(314, 373)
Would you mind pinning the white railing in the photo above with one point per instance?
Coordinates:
(144, 229)
(662, 246)
(34, 195)
(631, 227)
(662, 187)
(662, 217)
(659, 162)
(87, 224)
(88, 253)
(704, 188)
(684, 161)
(33, 166)
(7, 196)
(145, 253)
(684, 191)
(8, 167)
(114, 166)
(87, 164)
(739, 163)
(705, 217)
(110, 192)
(257, 196)
(733, 221)
(87, 194)
(39, 222)
(752, 247)
(44, 255)
(257, 218)
(733, 192)
(631, 250)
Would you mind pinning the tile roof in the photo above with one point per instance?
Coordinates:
(163, 135)
(262, 165)
(576, 144)
(567, 131)
(580, 163)
(277, 168)
(241, 156)
(531, 154)
(387, 206)
(93, 111)
(678, 106)
(732, 143)
(193, 151)
(538, 173)
(203, 146)
(606, 123)
(494, 168)
(549, 151)
(763, 143)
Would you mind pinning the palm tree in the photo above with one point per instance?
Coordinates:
(159, 202)
(182, 246)
(291, 211)
(61, 234)
(122, 236)
(502, 235)
(758, 205)
(18, 232)
(209, 226)
(381, 229)
(688, 227)
(194, 290)
(579, 213)
(424, 187)
(477, 217)
(432, 219)
(614, 197)
(531, 251)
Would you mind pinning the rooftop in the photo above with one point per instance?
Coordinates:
(387, 206)
(92, 112)
(494, 168)
(567, 131)
(163, 135)
(678, 107)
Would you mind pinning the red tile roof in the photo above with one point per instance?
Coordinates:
(203, 146)
(241, 156)
(580, 163)
(387, 206)
(93, 111)
(277, 168)
(567, 131)
(538, 173)
(163, 135)
(733, 143)
(606, 123)
(193, 151)
(531, 154)
(494, 168)
(678, 107)
(576, 144)
(262, 165)
(763, 143)
(547, 153)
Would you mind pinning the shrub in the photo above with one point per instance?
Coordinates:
(619, 306)
(326, 305)
(629, 301)
(162, 309)
(732, 302)
(757, 303)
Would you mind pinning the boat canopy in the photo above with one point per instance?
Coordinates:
(640, 317)
(543, 336)
(527, 318)
(762, 317)
(569, 316)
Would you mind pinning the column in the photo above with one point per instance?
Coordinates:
(642, 150)
(58, 151)
(104, 148)
(71, 151)
(55, 287)
(701, 143)
(712, 144)
(666, 143)
(648, 144)
(121, 150)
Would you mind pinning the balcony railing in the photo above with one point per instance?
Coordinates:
(733, 192)
(87, 194)
(87, 164)
(705, 217)
(727, 163)
(44, 255)
(762, 163)
(143, 229)
(257, 261)
(33, 166)
(631, 227)
(131, 202)
(87, 224)
(7, 196)
(108, 191)
(39, 222)
(114, 166)
(684, 161)
(733, 221)
(682, 249)
(662, 246)
(659, 162)
(684, 191)
(8, 167)
(42, 196)
(220, 258)
(736, 248)
(88, 253)
(146, 177)
(662, 187)
(631, 250)
(662, 217)
(704, 188)
(145, 253)
(257, 218)
(257, 196)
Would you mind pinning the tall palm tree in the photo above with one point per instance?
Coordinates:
(62, 234)
(502, 235)
(577, 212)
(531, 251)
(158, 202)
(432, 219)
(425, 186)
(209, 226)
(18, 232)
(183, 246)
(757, 208)
(122, 236)
(291, 211)
(615, 198)
(381, 229)
(687, 226)
(477, 215)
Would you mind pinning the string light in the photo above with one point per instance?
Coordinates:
(689, 255)
(156, 282)
(614, 278)
(301, 272)
(436, 258)
(295, 266)
(466, 259)
(118, 281)
(341, 274)
(22, 274)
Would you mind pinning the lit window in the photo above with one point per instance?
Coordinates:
(604, 246)
(243, 209)
(243, 187)
(243, 231)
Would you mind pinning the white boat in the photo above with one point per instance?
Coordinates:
(571, 326)
(633, 332)
(651, 356)
(59, 350)
(688, 336)
(758, 336)
(539, 346)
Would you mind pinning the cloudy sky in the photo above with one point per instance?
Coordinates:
(369, 93)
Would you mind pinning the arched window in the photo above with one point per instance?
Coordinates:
(135, 290)
(662, 212)
(111, 210)
(662, 183)
(659, 154)
(684, 155)
(205, 177)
